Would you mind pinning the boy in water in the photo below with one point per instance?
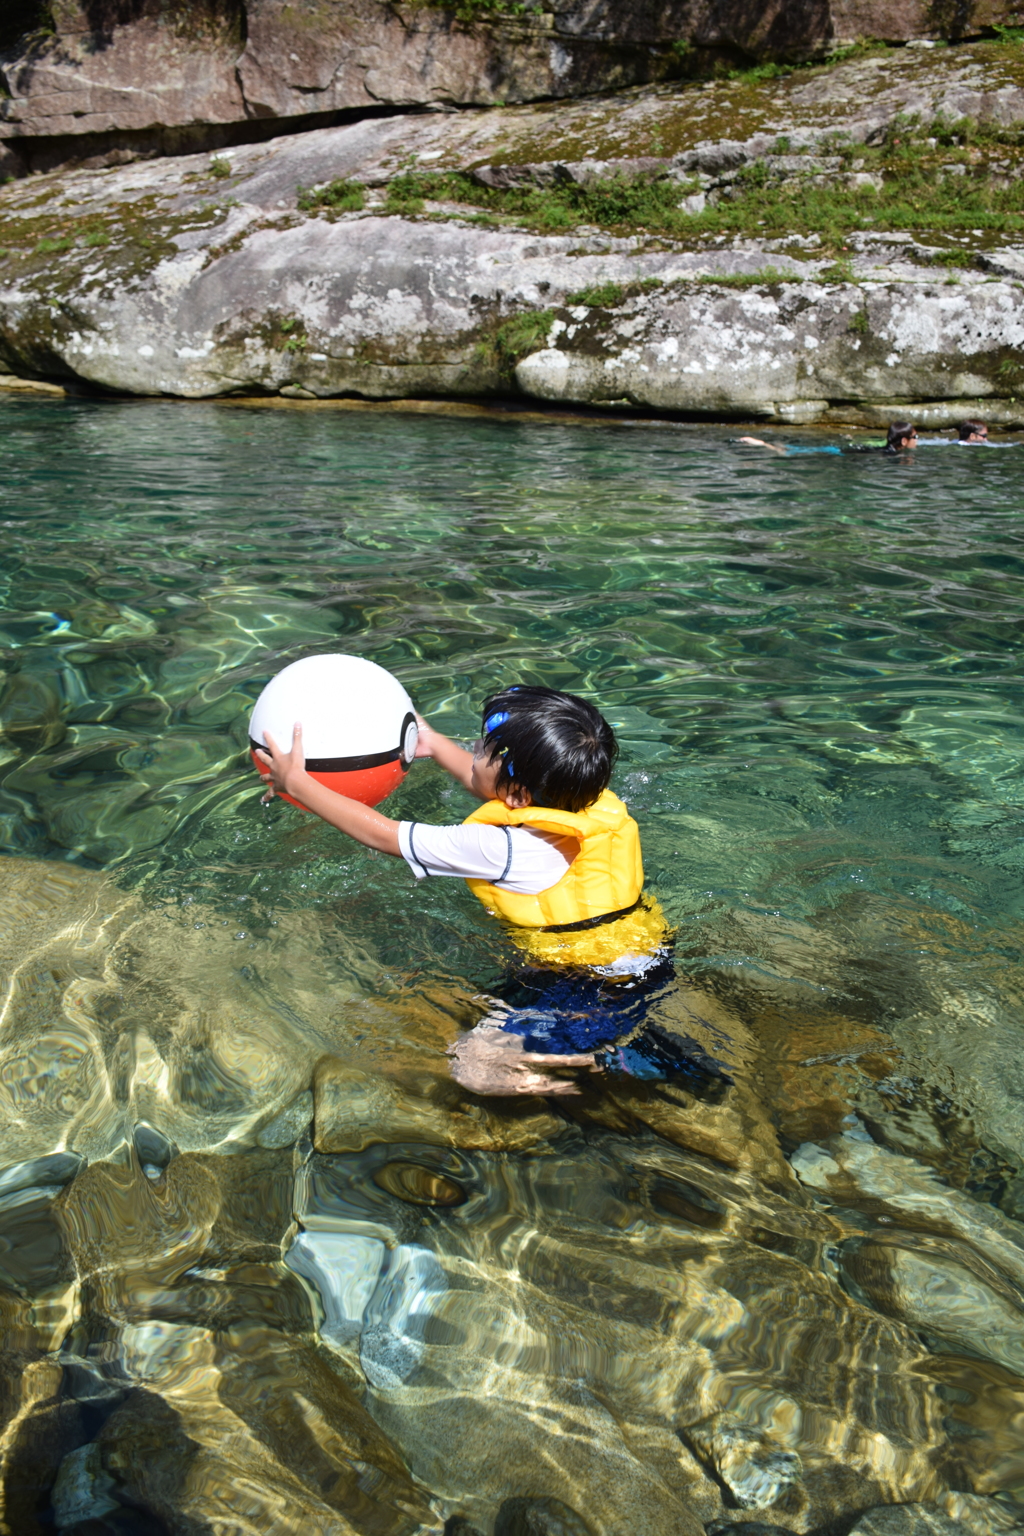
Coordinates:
(553, 852)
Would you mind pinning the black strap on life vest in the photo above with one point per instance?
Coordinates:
(592, 922)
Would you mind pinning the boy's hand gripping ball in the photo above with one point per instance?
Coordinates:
(357, 720)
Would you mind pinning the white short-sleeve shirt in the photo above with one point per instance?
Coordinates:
(520, 859)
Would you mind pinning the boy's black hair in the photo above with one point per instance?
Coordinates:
(898, 430)
(966, 428)
(554, 744)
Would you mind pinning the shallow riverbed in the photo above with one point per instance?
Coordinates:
(263, 1267)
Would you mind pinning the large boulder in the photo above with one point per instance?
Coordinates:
(389, 307)
(192, 277)
(109, 79)
(98, 74)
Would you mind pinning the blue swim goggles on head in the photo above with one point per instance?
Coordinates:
(491, 724)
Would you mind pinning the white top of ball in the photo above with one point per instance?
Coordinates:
(347, 707)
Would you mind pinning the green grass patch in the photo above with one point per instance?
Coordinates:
(762, 278)
(219, 167)
(758, 73)
(611, 295)
(916, 194)
(710, 63)
(851, 51)
(337, 197)
(138, 235)
(405, 193)
(286, 333)
(599, 295)
(611, 203)
(841, 271)
(515, 339)
(961, 259)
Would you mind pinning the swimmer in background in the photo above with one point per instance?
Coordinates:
(968, 433)
(556, 855)
(971, 433)
(900, 438)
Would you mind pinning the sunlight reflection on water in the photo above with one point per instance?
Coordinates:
(805, 1299)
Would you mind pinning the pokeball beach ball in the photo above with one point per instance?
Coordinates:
(358, 724)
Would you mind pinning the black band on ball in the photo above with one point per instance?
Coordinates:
(342, 764)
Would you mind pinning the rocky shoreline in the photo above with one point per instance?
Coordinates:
(471, 255)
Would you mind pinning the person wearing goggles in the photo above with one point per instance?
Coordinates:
(554, 854)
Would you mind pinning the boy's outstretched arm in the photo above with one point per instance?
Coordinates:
(286, 774)
(447, 753)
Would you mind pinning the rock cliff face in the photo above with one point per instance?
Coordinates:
(117, 76)
(191, 277)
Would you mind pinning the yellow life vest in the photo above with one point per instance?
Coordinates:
(606, 876)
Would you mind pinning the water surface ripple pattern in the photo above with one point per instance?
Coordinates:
(263, 1266)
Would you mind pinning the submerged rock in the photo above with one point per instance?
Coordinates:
(982, 1516)
(678, 1310)
(127, 1023)
(756, 1469)
(354, 1109)
(539, 1517)
(420, 1186)
(300, 1444)
(956, 1514)
(745, 1528)
(33, 1255)
(83, 1489)
(852, 1168)
(600, 1294)
(940, 1262)
(710, 1286)
(31, 712)
(286, 1128)
(154, 1150)
(719, 1119)
(940, 1294)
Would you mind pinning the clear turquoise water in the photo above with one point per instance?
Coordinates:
(814, 667)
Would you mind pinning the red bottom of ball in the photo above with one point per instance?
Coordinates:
(369, 785)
